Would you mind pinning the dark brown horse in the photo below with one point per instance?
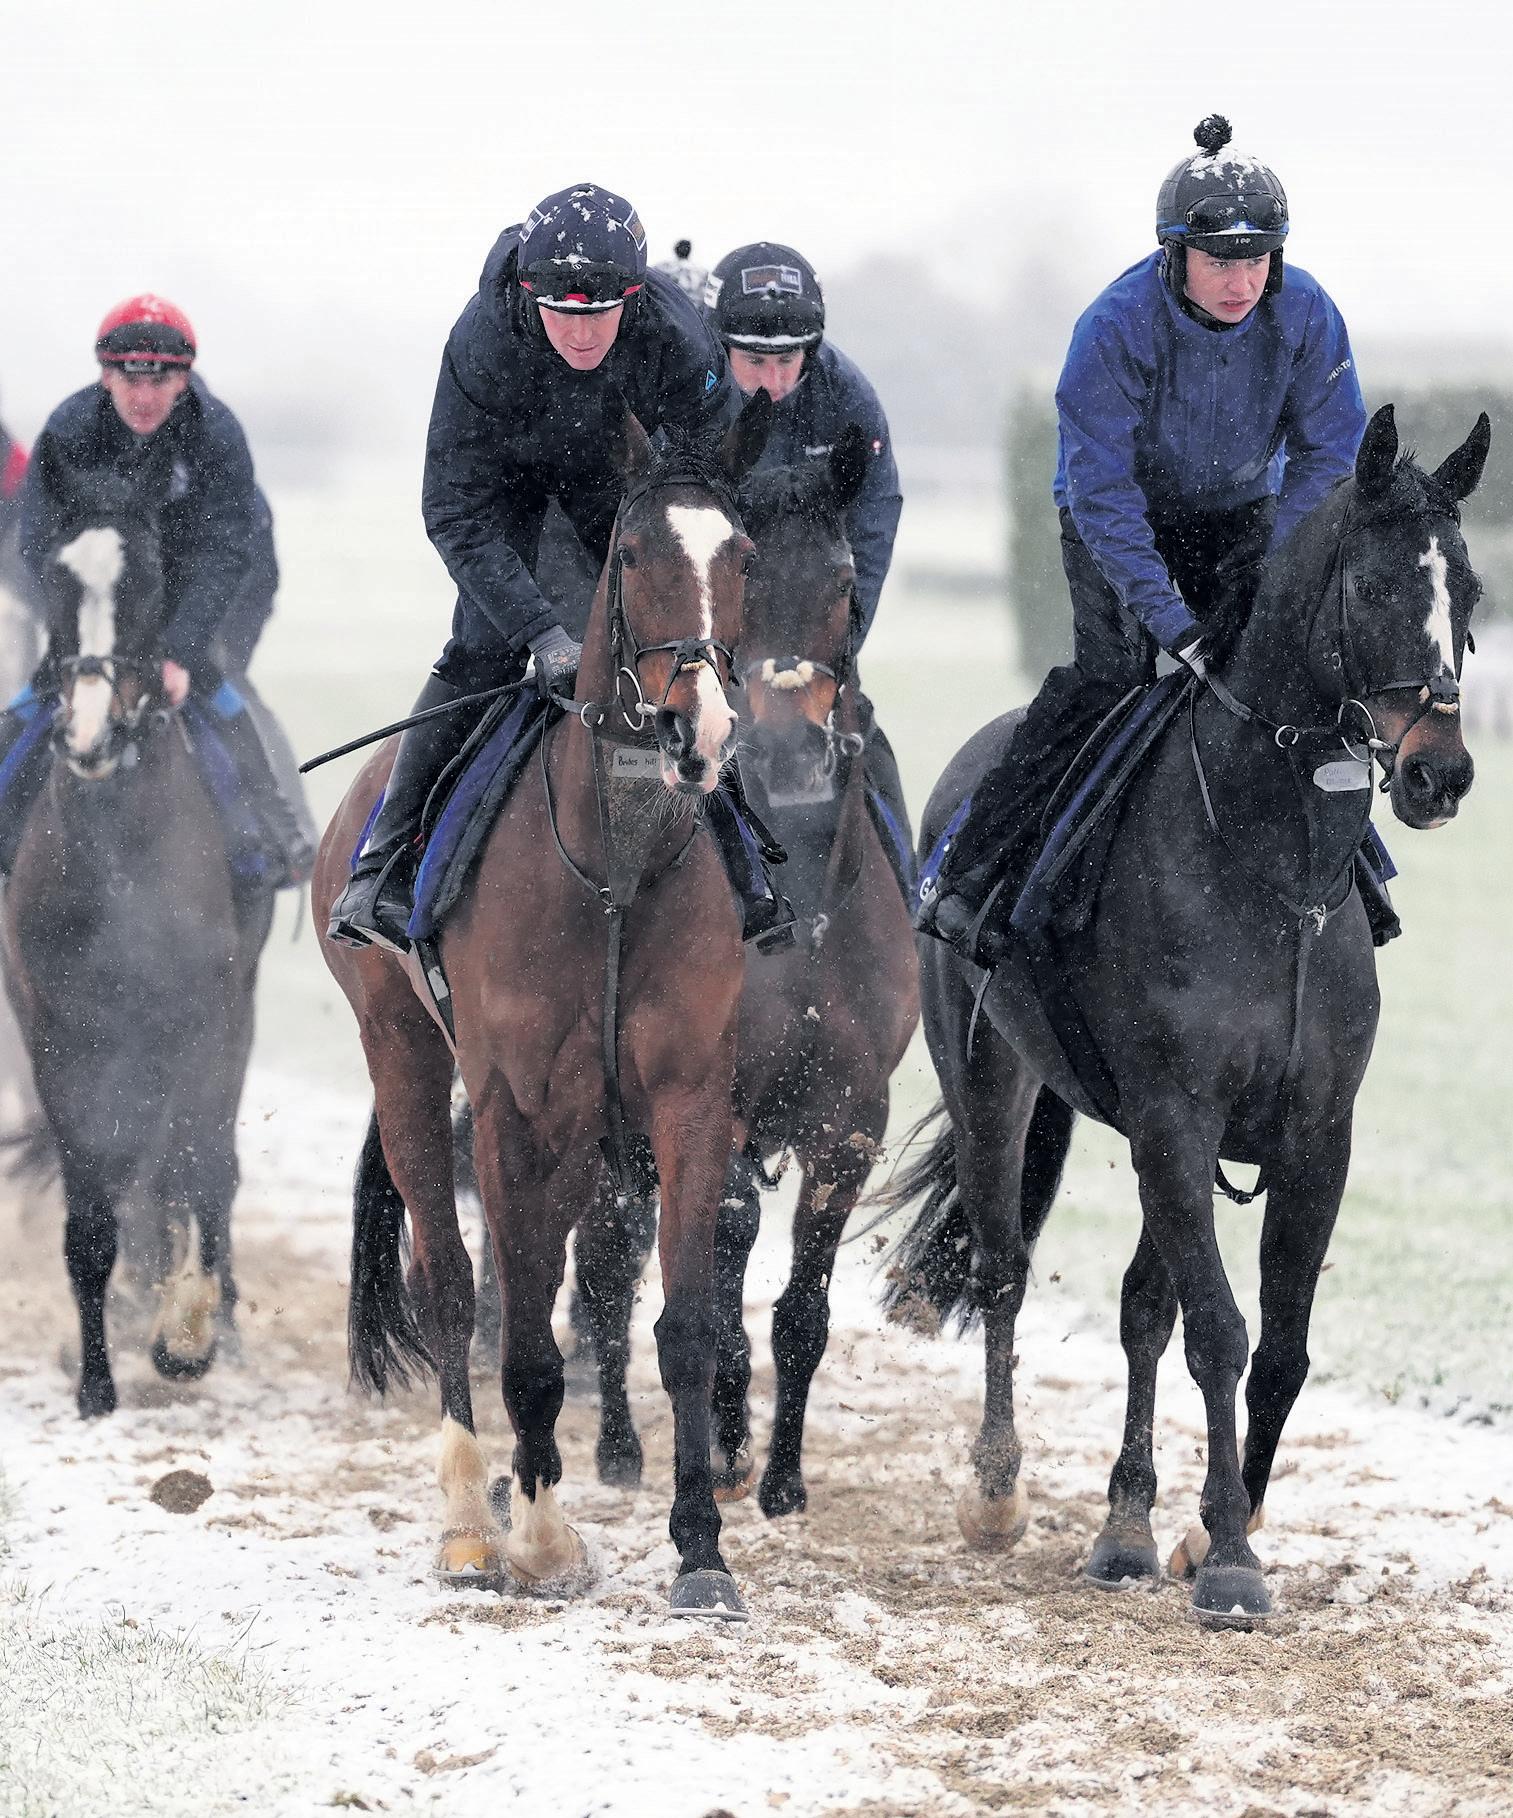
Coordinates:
(129, 961)
(1228, 981)
(823, 1025)
(525, 952)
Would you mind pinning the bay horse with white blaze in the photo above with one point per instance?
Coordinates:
(555, 1060)
(823, 1024)
(130, 963)
(1227, 979)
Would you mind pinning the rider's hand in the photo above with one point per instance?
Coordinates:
(557, 656)
(1193, 655)
(175, 683)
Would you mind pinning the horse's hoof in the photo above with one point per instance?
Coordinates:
(992, 1524)
(783, 1495)
(567, 1575)
(712, 1595)
(1121, 1557)
(97, 1399)
(620, 1466)
(180, 1369)
(1230, 1597)
(734, 1473)
(469, 1561)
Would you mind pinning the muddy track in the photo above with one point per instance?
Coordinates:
(887, 1669)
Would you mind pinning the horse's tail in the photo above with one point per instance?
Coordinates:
(929, 1277)
(384, 1342)
(930, 1274)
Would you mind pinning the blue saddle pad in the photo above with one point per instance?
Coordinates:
(471, 810)
(896, 843)
(247, 850)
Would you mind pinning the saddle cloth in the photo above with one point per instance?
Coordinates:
(24, 769)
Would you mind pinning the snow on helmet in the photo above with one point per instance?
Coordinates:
(765, 298)
(1226, 204)
(583, 248)
(145, 334)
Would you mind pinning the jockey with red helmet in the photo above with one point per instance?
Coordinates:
(149, 405)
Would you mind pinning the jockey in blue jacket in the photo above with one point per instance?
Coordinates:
(1209, 400)
(768, 309)
(565, 310)
(148, 395)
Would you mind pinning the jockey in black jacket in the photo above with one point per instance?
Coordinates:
(147, 395)
(768, 309)
(565, 310)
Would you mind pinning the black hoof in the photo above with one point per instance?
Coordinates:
(1230, 1596)
(96, 1399)
(782, 1495)
(709, 1594)
(1119, 1560)
(620, 1464)
(180, 1369)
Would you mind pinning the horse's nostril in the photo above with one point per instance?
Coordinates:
(1420, 778)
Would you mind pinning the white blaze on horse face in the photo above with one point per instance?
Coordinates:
(703, 531)
(1437, 626)
(96, 559)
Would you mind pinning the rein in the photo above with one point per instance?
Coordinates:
(130, 728)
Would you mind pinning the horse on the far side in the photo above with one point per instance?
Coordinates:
(130, 964)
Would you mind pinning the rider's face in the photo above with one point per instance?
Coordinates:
(1229, 289)
(774, 373)
(582, 336)
(144, 400)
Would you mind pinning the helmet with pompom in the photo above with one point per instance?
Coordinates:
(145, 334)
(1220, 201)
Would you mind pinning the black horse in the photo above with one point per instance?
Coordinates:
(129, 961)
(1227, 979)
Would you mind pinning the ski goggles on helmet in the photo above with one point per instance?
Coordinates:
(1259, 213)
(568, 284)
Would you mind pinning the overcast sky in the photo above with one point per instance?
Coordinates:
(317, 181)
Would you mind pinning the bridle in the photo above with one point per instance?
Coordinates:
(838, 744)
(127, 728)
(626, 653)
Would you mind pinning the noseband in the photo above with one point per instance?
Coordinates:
(626, 653)
(128, 729)
(849, 744)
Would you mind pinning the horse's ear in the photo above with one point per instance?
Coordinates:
(1460, 473)
(1377, 456)
(629, 444)
(746, 437)
(848, 465)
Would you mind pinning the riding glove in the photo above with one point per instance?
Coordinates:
(557, 656)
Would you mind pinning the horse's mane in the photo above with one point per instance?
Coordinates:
(805, 491)
(685, 455)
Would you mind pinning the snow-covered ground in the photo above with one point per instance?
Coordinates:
(283, 1648)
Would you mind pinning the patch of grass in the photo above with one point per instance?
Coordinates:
(90, 1710)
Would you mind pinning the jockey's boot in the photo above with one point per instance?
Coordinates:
(375, 907)
(953, 912)
(279, 805)
(766, 914)
(1371, 874)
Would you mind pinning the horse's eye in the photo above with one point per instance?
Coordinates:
(627, 556)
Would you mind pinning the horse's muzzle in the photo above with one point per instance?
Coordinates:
(1427, 785)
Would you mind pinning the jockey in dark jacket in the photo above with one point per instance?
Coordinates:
(565, 310)
(768, 309)
(1208, 402)
(147, 396)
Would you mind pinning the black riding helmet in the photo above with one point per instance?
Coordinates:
(765, 298)
(1226, 204)
(583, 248)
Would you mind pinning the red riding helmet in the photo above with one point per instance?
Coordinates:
(145, 334)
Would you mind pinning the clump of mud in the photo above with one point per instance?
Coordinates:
(182, 1492)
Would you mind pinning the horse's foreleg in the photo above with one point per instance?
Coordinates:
(610, 1248)
(736, 1227)
(801, 1315)
(1126, 1548)
(530, 1205)
(690, 1136)
(1174, 1160)
(89, 1248)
